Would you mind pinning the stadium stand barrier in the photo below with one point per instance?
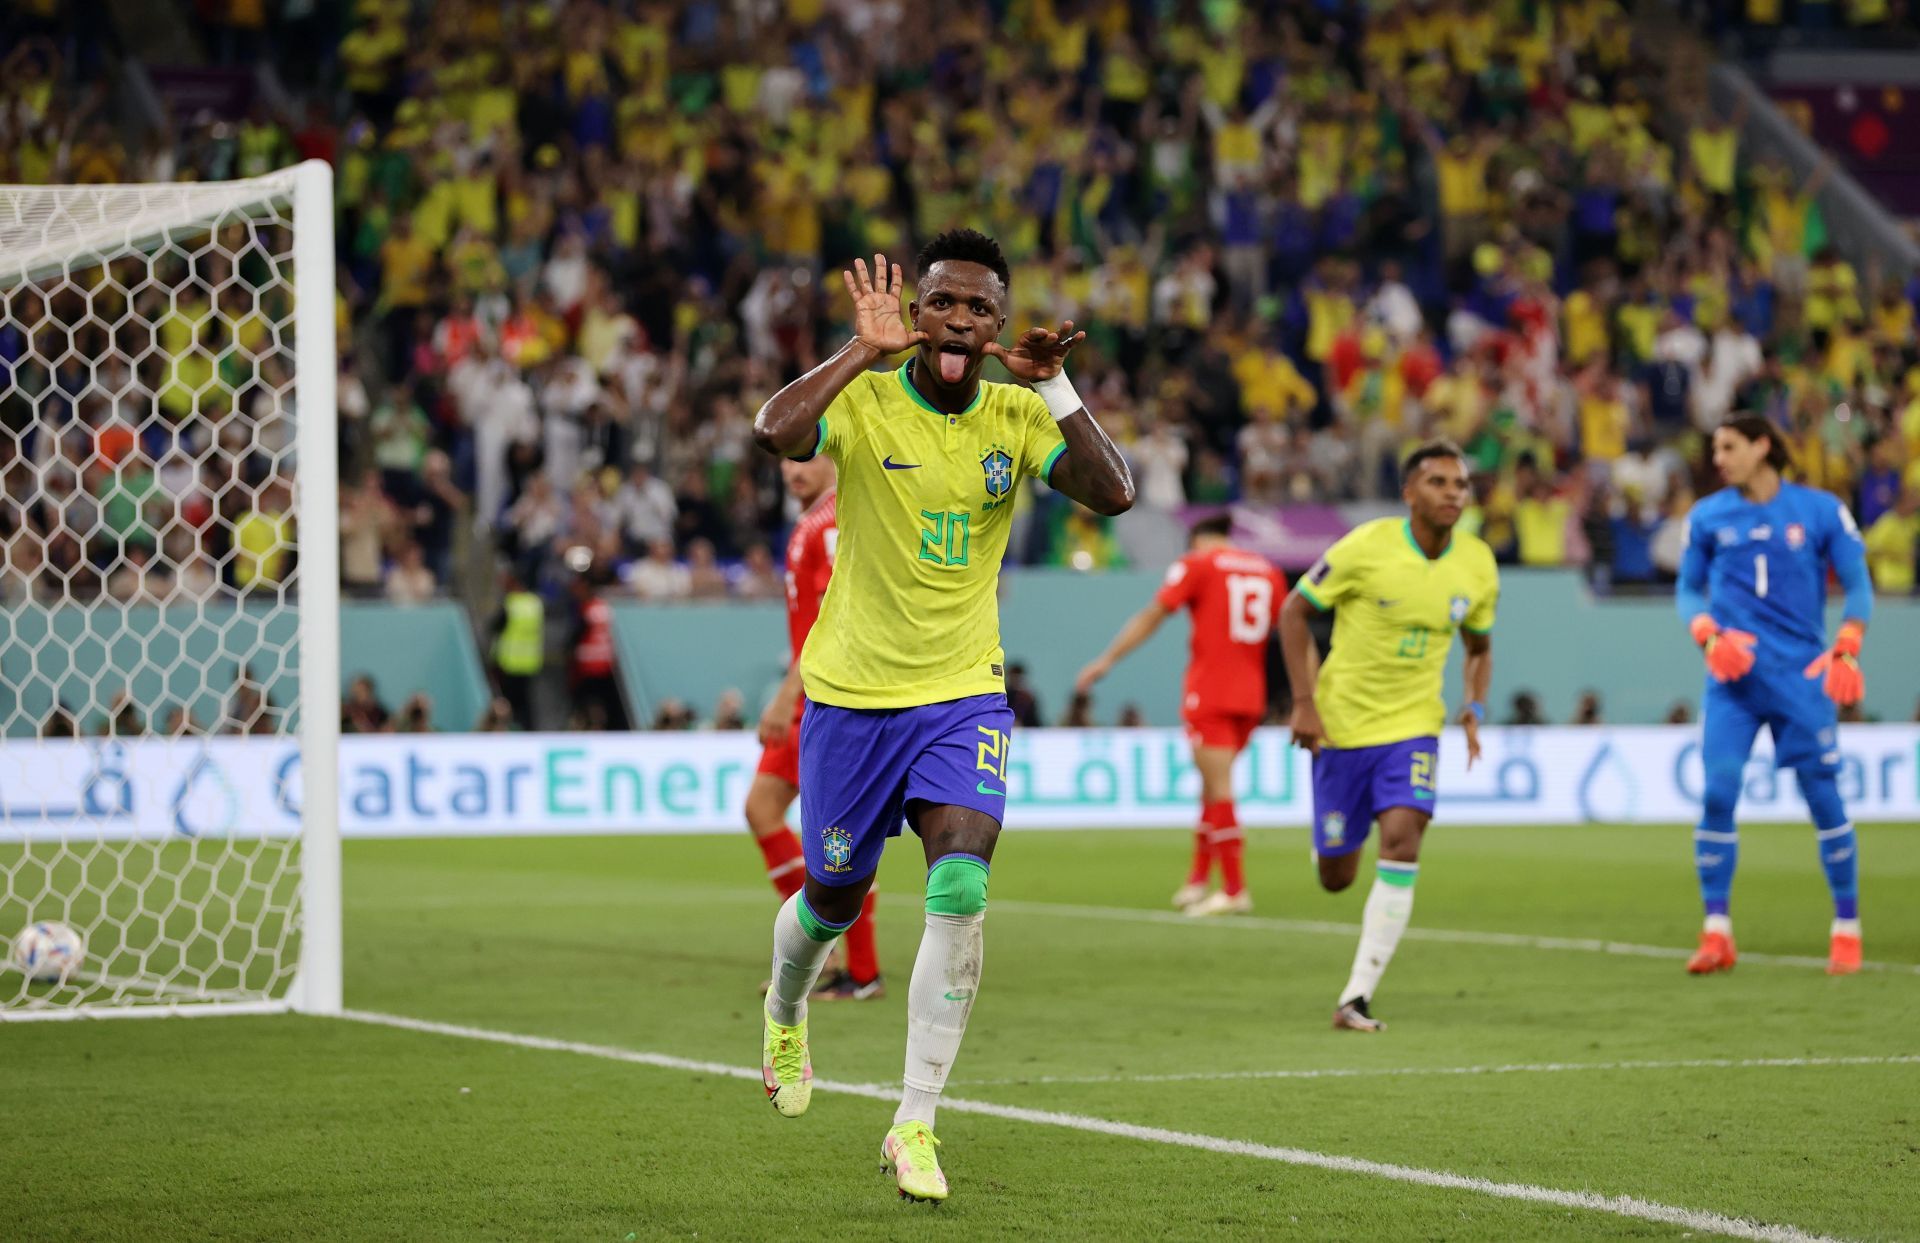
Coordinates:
(406, 650)
(1861, 227)
(1544, 614)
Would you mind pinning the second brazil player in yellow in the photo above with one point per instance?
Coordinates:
(1399, 588)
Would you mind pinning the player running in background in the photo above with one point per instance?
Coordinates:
(1753, 589)
(1372, 714)
(907, 711)
(1231, 594)
(810, 551)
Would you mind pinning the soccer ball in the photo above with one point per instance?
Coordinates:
(48, 951)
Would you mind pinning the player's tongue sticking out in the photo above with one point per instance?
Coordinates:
(953, 363)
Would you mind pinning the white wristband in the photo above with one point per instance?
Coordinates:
(1059, 395)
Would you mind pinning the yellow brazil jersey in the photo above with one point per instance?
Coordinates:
(1640, 324)
(1714, 153)
(1586, 327)
(1588, 123)
(1603, 428)
(1893, 322)
(925, 505)
(1463, 181)
(1397, 611)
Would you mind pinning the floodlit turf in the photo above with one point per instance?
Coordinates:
(302, 1128)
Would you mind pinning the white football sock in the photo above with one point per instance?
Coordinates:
(1722, 924)
(797, 959)
(946, 974)
(1389, 907)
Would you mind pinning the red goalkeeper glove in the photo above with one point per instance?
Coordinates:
(1729, 652)
(1844, 684)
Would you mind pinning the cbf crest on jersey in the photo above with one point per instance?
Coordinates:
(998, 468)
(1457, 609)
(837, 844)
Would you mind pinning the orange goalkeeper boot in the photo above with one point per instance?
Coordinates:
(1715, 954)
(1843, 954)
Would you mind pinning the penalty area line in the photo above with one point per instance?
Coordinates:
(706, 894)
(1591, 1201)
(1455, 936)
(1385, 1072)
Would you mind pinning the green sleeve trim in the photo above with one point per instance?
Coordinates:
(819, 443)
(1046, 472)
(1476, 630)
(1312, 599)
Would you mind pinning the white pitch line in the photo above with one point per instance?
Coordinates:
(1516, 1068)
(697, 894)
(1456, 936)
(1619, 1206)
(80, 981)
(164, 988)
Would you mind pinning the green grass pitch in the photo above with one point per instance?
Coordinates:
(284, 1128)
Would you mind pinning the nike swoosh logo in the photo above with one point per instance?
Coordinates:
(890, 464)
(965, 994)
(984, 788)
(1387, 604)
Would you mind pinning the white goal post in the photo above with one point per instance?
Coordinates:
(169, 596)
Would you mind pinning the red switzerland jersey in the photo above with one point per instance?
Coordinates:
(809, 565)
(1234, 597)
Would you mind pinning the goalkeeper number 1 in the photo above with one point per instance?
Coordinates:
(1753, 593)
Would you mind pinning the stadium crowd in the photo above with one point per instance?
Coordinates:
(580, 242)
(1755, 26)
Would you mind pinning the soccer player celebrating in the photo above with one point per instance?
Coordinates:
(810, 551)
(1753, 587)
(1231, 594)
(1372, 714)
(907, 713)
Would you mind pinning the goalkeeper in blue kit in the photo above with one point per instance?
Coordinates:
(1753, 587)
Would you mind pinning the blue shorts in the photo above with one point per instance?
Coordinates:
(1794, 708)
(1351, 787)
(860, 767)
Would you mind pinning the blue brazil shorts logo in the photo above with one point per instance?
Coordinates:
(838, 847)
(1333, 826)
(998, 468)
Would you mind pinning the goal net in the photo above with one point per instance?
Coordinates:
(169, 697)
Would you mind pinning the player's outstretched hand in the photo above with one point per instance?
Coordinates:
(776, 722)
(1304, 723)
(876, 306)
(1470, 725)
(1729, 653)
(1038, 354)
(1843, 682)
(1093, 672)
